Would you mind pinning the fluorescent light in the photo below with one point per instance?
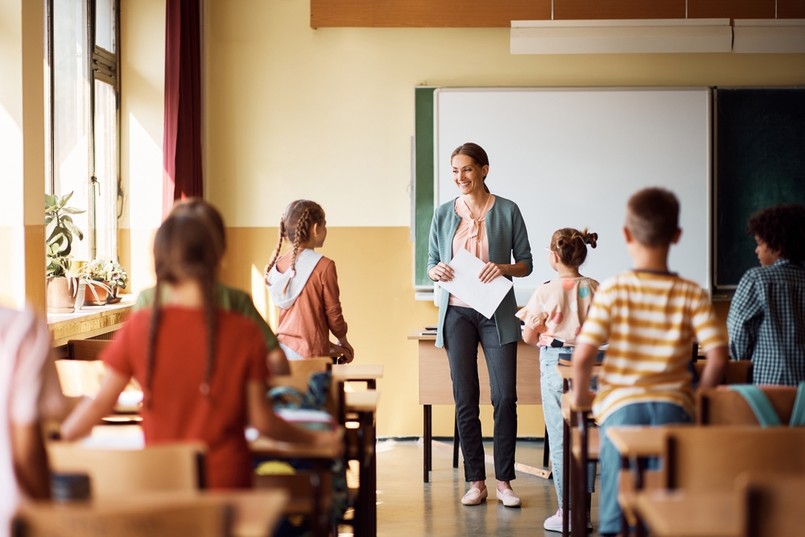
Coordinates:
(621, 36)
(769, 35)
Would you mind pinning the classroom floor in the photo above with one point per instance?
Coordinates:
(407, 507)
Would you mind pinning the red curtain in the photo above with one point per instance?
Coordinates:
(182, 175)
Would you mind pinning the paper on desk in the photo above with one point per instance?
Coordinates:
(465, 285)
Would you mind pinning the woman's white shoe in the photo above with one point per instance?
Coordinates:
(474, 496)
(509, 498)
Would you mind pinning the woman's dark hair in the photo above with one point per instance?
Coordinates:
(475, 152)
(782, 228)
(188, 245)
(570, 245)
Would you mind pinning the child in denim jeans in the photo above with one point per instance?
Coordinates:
(552, 320)
(649, 316)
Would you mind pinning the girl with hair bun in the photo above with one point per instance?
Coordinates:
(552, 320)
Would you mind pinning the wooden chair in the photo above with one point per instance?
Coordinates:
(301, 371)
(772, 504)
(709, 458)
(86, 349)
(724, 406)
(736, 372)
(118, 473)
(89, 519)
(311, 490)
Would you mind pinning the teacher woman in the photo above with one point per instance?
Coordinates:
(492, 229)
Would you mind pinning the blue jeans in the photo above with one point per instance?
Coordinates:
(464, 329)
(632, 414)
(551, 390)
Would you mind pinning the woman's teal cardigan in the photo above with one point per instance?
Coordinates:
(507, 236)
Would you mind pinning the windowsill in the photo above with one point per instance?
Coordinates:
(89, 321)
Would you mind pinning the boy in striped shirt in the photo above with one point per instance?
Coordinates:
(650, 317)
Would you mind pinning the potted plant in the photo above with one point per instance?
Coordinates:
(102, 281)
(60, 231)
(96, 292)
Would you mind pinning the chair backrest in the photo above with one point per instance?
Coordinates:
(116, 473)
(709, 458)
(735, 372)
(772, 504)
(301, 371)
(724, 406)
(86, 349)
(79, 378)
(91, 519)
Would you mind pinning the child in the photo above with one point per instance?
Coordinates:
(203, 369)
(226, 297)
(766, 321)
(552, 320)
(649, 316)
(304, 285)
(29, 392)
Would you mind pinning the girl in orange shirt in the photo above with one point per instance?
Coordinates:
(304, 285)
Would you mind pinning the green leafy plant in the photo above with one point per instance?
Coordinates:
(104, 274)
(60, 231)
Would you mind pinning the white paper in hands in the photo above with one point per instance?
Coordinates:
(467, 287)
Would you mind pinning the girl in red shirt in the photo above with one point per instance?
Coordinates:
(203, 370)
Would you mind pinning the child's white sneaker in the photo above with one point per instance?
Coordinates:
(554, 522)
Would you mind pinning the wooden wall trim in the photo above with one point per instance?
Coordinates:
(500, 13)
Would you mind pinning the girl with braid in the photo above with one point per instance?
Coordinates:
(203, 369)
(304, 285)
(552, 319)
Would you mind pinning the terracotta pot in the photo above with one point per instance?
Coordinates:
(61, 295)
(95, 295)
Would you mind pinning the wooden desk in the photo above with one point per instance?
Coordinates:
(368, 373)
(679, 514)
(436, 386)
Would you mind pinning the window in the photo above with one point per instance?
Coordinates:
(84, 91)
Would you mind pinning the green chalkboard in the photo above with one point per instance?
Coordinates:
(423, 183)
(759, 162)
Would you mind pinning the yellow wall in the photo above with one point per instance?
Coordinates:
(328, 114)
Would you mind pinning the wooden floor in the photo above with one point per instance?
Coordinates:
(407, 507)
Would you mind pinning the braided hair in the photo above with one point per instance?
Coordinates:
(570, 245)
(186, 246)
(295, 226)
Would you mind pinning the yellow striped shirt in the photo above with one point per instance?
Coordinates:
(650, 321)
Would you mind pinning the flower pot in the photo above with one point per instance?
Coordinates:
(95, 293)
(113, 298)
(60, 295)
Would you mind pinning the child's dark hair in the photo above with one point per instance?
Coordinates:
(295, 226)
(187, 246)
(570, 245)
(652, 216)
(782, 228)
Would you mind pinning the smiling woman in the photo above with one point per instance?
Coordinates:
(492, 229)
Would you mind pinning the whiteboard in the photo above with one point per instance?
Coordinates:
(572, 157)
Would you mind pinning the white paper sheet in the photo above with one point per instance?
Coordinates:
(483, 297)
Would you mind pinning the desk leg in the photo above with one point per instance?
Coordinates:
(427, 462)
(565, 477)
(455, 444)
(366, 509)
